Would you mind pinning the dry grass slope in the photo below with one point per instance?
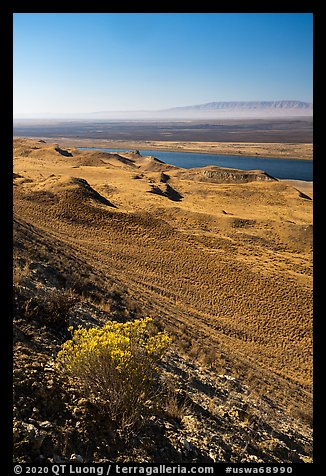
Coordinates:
(226, 265)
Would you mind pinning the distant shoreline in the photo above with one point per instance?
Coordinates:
(252, 149)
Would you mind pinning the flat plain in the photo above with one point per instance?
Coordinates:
(285, 137)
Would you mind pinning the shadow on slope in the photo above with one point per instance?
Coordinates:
(168, 192)
(63, 152)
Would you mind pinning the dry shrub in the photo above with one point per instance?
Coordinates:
(175, 404)
(52, 309)
(20, 273)
(116, 367)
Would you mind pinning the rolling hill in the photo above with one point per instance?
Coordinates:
(220, 259)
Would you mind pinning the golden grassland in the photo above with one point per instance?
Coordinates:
(264, 149)
(226, 266)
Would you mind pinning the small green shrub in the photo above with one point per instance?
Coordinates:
(116, 366)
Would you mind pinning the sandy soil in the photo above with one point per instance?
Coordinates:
(303, 186)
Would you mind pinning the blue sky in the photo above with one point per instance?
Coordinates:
(87, 62)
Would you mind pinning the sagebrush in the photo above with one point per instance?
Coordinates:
(116, 366)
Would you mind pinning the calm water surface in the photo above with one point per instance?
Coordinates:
(278, 168)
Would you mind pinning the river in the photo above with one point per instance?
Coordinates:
(278, 168)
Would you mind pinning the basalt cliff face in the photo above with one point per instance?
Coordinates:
(221, 175)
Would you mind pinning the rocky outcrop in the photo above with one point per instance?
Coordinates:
(223, 175)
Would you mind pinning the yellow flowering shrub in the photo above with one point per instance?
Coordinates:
(117, 365)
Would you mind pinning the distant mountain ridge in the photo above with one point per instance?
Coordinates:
(210, 110)
(247, 105)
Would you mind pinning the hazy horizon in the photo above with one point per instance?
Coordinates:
(212, 110)
(78, 63)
